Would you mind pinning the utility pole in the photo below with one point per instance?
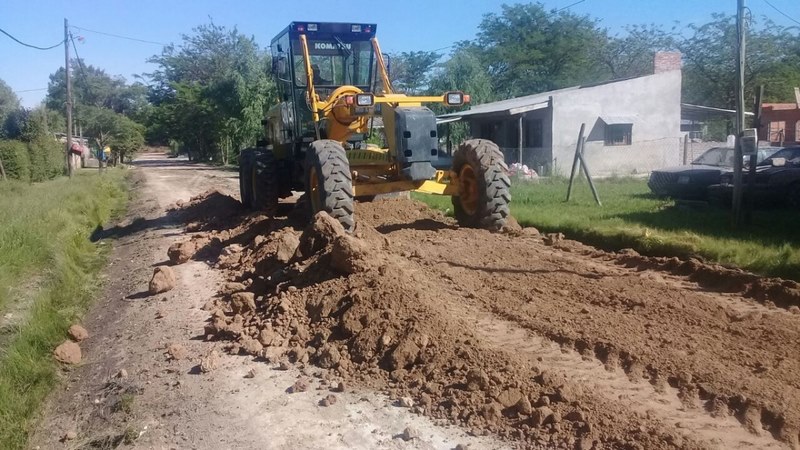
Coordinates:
(751, 170)
(737, 161)
(69, 97)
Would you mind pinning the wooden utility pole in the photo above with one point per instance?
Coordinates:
(751, 172)
(68, 156)
(737, 161)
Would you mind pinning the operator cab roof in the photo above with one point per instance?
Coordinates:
(345, 31)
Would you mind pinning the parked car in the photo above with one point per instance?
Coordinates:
(692, 181)
(777, 180)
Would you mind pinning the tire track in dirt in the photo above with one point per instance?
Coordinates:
(661, 403)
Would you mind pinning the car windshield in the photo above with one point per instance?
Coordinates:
(718, 156)
(792, 156)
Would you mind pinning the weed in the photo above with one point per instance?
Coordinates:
(44, 234)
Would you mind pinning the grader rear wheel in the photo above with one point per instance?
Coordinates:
(483, 186)
(265, 189)
(329, 184)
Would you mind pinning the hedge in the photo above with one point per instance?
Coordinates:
(16, 160)
(39, 160)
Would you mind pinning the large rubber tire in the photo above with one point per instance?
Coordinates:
(246, 162)
(265, 182)
(483, 198)
(329, 184)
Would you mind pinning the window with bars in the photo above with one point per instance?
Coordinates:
(619, 134)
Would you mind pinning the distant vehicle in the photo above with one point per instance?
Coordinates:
(692, 181)
(777, 180)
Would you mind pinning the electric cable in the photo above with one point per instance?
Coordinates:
(119, 36)
(29, 45)
(782, 13)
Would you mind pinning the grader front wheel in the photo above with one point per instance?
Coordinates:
(329, 185)
(483, 186)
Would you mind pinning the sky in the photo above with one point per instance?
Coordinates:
(404, 25)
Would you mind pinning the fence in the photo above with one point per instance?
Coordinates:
(637, 158)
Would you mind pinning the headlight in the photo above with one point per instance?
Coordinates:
(454, 98)
(365, 100)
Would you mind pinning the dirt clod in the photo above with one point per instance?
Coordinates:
(329, 400)
(209, 362)
(70, 436)
(406, 402)
(78, 333)
(163, 280)
(410, 433)
(300, 385)
(68, 353)
(177, 351)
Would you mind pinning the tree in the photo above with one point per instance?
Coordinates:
(410, 70)
(773, 59)
(9, 104)
(107, 128)
(632, 54)
(528, 49)
(92, 86)
(211, 92)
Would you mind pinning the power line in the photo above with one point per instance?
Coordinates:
(781, 12)
(570, 5)
(29, 45)
(118, 36)
(30, 90)
(80, 62)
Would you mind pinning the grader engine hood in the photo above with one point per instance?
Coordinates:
(416, 141)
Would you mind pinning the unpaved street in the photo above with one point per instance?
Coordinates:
(488, 340)
(165, 402)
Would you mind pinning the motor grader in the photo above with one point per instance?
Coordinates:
(333, 87)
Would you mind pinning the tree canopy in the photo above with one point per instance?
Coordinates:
(211, 92)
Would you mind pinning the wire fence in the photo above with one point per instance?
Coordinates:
(637, 158)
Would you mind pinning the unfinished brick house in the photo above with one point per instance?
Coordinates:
(781, 122)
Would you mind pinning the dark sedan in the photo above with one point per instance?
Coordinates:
(777, 180)
(692, 181)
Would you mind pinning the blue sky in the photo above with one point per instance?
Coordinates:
(402, 25)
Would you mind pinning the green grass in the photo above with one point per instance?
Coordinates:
(632, 218)
(44, 236)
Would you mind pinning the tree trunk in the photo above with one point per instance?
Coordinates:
(3, 170)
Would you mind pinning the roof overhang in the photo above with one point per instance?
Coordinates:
(618, 120)
(698, 112)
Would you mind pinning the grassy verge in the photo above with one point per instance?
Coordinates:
(44, 234)
(632, 218)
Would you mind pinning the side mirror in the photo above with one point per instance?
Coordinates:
(778, 162)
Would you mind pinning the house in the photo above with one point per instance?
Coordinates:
(631, 125)
(781, 122)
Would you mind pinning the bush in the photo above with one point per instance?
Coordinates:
(16, 160)
(46, 157)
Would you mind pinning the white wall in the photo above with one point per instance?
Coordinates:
(652, 101)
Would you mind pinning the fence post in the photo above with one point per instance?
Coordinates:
(685, 149)
(578, 149)
(588, 175)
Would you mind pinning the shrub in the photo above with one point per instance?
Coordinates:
(46, 157)
(16, 160)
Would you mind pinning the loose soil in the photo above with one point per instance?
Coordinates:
(517, 339)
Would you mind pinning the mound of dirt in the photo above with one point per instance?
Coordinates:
(209, 210)
(349, 305)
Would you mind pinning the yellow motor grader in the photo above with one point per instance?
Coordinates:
(333, 87)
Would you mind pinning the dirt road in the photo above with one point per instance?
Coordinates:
(163, 401)
(527, 341)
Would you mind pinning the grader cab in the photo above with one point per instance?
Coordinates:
(332, 83)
